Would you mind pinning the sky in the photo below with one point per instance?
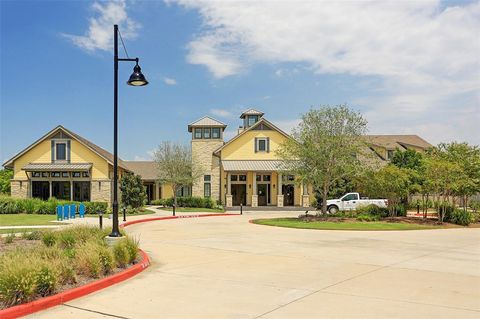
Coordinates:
(410, 67)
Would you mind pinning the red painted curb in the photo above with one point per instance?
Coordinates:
(54, 300)
(173, 217)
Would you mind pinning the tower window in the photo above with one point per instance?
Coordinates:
(206, 133)
(198, 133)
(216, 132)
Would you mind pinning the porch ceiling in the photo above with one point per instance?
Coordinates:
(253, 165)
(57, 167)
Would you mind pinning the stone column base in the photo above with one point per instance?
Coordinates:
(305, 201)
(19, 188)
(229, 201)
(279, 200)
(254, 200)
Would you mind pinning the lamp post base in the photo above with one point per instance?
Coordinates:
(112, 241)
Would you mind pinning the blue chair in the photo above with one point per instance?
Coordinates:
(59, 212)
(81, 210)
(66, 212)
(73, 210)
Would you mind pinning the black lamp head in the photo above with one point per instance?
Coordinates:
(137, 78)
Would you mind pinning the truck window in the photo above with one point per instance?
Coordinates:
(349, 197)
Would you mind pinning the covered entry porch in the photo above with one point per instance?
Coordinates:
(261, 183)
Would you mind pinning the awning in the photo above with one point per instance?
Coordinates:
(258, 166)
(35, 167)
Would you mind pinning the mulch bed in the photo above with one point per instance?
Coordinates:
(18, 242)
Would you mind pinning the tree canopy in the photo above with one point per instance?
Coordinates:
(324, 147)
(133, 191)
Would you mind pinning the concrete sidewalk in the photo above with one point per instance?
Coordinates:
(225, 267)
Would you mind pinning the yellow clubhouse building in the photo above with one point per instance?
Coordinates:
(243, 170)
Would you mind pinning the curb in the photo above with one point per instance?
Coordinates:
(57, 299)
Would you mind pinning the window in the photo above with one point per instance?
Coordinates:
(56, 174)
(198, 133)
(390, 154)
(35, 174)
(65, 174)
(86, 174)
(81, 191)
(206, 133)
(45, 174)
(262, 144)
(216, 132)
(266, 178)
(234, 178)
(259, 178)
(252, 119)
(61, 151)
(350, 197)
(242, 178)
(288, 178)
(76, 174)
(207, 189)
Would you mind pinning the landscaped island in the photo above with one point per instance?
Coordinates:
(40, 264)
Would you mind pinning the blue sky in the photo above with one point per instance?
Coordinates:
(411, 68)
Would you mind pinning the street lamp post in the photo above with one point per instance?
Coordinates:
(136, 79)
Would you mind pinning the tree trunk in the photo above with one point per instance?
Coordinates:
(324, 199)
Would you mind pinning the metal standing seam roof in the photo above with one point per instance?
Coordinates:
(206, 121)
(57, 167)
(251, 112)
(253, 165)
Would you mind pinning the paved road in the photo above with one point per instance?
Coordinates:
(224, 267)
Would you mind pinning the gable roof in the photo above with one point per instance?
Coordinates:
(259, 122)
(206, 121)
(146, 169)
(93, 147)
(398, 141)
(251, 112)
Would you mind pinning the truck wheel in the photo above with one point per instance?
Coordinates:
(332, 209)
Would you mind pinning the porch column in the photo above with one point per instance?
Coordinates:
(254, 191)
(71, 190)
(50, 188)
(279, 190)
(228, 196)
(305, 196)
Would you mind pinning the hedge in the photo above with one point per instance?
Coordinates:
(196, 202)
(9, 205)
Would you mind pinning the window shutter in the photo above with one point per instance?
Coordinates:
(268, 144)
(53, 150)
(68, 150)
(255, 146)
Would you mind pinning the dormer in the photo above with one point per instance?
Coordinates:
(250, 117)
(207, 128)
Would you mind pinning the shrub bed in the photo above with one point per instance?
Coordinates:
(191, 201)
(10, 205)
(61, 259)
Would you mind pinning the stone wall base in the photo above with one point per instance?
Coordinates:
(19, 189)
(254, 200)
(305, 201)
(229, 201)
(101, 191)
(279, 200)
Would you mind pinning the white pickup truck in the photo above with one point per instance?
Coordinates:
(352, 201)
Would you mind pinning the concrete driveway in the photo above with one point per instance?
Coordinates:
(225, 267)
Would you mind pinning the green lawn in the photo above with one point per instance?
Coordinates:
(26, 219)
(325, 225)
(21, 230)
(193, 210)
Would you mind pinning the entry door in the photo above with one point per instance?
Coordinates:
(41, 190)
(262, 192)
(288, 195)
(239, 194)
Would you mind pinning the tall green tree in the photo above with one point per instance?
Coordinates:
(133, 192)
(324, 147)
(407, 159)
(175, 166)
(5, 176)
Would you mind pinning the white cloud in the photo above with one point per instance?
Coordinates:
(221, 112)
(426, 55)
(99, 35)
(169, 81)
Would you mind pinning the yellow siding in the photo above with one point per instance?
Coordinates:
(167, 191)
(243, 147)
(81, 154)
(38, 154)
